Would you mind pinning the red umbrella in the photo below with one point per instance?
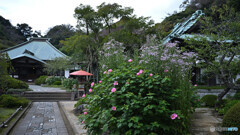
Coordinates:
(81, 72)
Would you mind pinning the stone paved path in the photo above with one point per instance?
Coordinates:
(43, 118)
(205, 121)
(45, 89)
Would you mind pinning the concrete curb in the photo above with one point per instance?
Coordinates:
(66, 121)
(14, 123)
(73, 120)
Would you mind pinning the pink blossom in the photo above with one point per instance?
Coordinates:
(85, 110)
(92, 84)
(141, 71)
(115, 83)
(83, 122)
(83, 95)
(138, 74)
(173, 116)
(195, 85)
(113, 89)
(90, 90)
(165, 70)
(85, 113)
(151, 74)
(100, 81)
(114, 108)
(110, 70)
(104, 72)
(130, 60)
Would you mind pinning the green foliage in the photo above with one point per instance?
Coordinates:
(63, 31)
(237, 96)
(12, 101)
(227, 106)
(111, 54)
(210, 87)
(54, 67)
(9, 35)
(18, 90)
(10, 82)
(57, 83)
(68, 83)
(51, 80)
(27, 31)
(41, 80)
(5, 113)
(144, 103)
(210, 100)
(232, 119)
(219, 27)
(238, 81)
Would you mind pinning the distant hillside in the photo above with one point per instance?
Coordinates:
(9, 35)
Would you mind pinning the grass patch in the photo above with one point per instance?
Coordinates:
(5, 113)
(210, 87)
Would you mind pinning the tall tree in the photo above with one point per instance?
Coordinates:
(110, 12)
(219, 49)
(27, 31)
(60, 32)
(84, 15)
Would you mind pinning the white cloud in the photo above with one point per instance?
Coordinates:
(43, 14)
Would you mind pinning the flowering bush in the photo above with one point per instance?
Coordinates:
(111, 55)
(167, 57)
(132, 100)
(68, 83)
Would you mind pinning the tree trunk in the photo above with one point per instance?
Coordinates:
(87, 28)
(223, 93)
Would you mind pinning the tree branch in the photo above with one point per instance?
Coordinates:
(230, 60)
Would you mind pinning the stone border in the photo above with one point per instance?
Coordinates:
(74, 121)
(13, 124)
(66, 120)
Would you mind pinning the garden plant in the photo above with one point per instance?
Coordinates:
(139, 99)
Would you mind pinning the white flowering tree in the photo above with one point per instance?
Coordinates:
(111, 55)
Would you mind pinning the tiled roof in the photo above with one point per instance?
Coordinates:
(182, 28)
(29, 56)
(40, 48)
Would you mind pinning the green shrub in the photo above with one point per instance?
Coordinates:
(227, 106)
(53, 79)
(144, 104)
(210, 87)
(41, 80)
(209, 100)
(237, 96)
(232, 119)
(57, 83)
(18, 90)
(10, 82)
(68, 83)
(12, 101)
(238, 81)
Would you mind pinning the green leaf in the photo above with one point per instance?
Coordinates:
(130, 125)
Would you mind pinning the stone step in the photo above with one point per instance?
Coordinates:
(48, 96)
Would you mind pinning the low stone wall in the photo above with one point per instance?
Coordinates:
(203, 92)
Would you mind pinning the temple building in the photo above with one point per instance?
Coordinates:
(190, 28)
(29, 58)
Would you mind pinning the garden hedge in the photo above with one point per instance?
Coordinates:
(209, 100)
(232, 119)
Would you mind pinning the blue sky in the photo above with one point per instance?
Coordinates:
(43, 14)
